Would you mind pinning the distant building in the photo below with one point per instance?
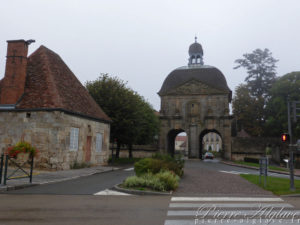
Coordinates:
(180, 143)
(212, 141)
(42, 102)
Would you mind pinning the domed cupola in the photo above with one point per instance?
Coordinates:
(196, 54)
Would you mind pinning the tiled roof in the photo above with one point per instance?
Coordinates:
(180, 138)
(50, 84)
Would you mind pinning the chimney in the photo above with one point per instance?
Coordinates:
(13, 83)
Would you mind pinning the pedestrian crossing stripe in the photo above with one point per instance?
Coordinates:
(226, 199)
(233, 222)
(229, 205)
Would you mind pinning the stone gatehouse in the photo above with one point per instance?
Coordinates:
(195, 99)
(42, 102)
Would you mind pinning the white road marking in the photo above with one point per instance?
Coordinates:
(232, 222)
(225, 199)
(231, 212)
(129, 169)
(229, 205)
(232, 172)
(111, 192)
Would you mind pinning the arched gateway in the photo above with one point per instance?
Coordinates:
(195, 99)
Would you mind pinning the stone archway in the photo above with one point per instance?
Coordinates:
(171, 140)
(195, 98)
(201, 139)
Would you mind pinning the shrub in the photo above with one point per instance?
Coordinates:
(145, 181)
(77, 165)
(147, 165)
(169, 179)
(154, 165)
(162, 181)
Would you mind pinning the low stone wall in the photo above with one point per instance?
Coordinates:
(255, 147)
(138, 151)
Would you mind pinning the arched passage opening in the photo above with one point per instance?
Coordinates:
(176, 146)
(210, 140)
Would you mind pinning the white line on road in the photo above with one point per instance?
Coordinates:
(225, 199)
(232, 172)
(207, 212)
(232, 222)
(111, 192)
(129, 169)
(229, 205)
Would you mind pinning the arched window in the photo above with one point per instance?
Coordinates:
(193, 60)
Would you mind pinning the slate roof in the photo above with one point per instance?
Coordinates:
(50, 84)
(195, 48)
(209, 75)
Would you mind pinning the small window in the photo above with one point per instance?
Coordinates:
(74, 139)
(98, 142)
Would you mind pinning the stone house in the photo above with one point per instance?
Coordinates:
(42, 102)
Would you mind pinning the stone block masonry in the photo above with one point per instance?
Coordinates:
(49, 132)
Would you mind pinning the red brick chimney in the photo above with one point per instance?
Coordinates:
(13, 83)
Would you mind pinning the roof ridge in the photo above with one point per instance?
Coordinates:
(51, 80)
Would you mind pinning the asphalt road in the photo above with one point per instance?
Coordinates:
(73, 202)
(92, 184)
(82, 186)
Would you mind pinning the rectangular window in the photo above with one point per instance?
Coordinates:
(98, 142)
(74, 133)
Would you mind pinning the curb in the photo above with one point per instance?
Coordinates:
(138, 192)
(23, 186)
(254, 168)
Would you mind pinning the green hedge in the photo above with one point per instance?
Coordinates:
(159, 163)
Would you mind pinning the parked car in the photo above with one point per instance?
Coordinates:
(208, 155)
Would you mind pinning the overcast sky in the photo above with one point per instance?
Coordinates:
(143, 41)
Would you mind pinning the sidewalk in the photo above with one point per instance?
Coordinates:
(296, 171)
(46, 177)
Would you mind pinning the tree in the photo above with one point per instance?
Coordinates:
(247, 111)
(277, 120)
(261, 69)
(249, 103)
(134, 121)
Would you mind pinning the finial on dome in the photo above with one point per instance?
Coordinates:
(195, 38)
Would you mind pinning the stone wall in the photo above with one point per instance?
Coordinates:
(255, 147)
(49, 132)
(138, 151)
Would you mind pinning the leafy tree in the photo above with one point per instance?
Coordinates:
(249, 103)
(261, 69)
(134, 121)
(277, 120)
(247, 110)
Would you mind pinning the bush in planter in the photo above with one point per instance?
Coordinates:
(154, 165)
(162, 181)
(147, 165)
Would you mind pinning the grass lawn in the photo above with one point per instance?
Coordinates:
(279, 186)
(257, 165)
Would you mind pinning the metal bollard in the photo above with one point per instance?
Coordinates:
(5, 169)
(1, 166)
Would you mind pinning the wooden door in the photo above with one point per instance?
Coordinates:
(88, 149)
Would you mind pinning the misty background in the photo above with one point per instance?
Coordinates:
(143, 41)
